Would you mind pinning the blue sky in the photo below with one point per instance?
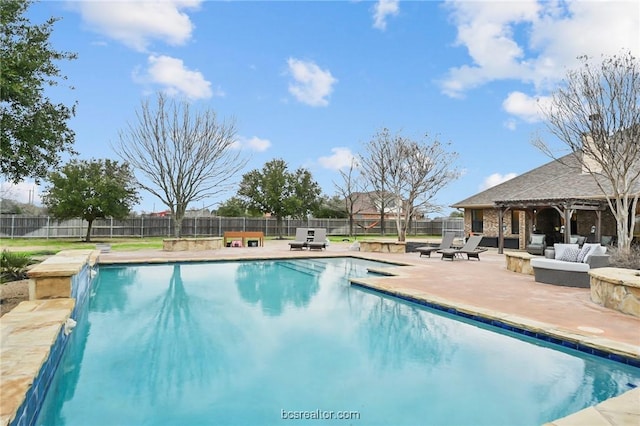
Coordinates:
(312, 82)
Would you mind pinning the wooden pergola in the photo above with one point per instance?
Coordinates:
(565, 207)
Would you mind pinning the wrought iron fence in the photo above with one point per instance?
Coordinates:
(24, 226)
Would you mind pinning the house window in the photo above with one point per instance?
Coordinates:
(515, 222)
(477, 221)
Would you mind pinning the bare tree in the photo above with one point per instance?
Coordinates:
(186, 156)
(419, 170)
(413, 173)
(596, 114)
(374, 166)
(351, 191)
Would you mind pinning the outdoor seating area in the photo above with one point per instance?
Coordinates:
(309, 238)
(447, 241)
(569, 264)
(470, 249)
(537, 244)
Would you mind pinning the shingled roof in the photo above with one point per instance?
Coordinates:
(560, 179)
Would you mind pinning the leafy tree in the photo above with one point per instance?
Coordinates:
(34, 130)
(91, 190)
(186, 156)
(277, 191)
(235, 207)
(331, 208)
(456, 213)
(596, 114)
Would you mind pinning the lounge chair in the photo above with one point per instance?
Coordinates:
(300, 241)
(537, 244)
(470, 249)
(319, 240)
(447, 240)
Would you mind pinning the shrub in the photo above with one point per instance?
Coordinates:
(14, 265)
(627, 260)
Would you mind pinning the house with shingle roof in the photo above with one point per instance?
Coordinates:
(558, 199)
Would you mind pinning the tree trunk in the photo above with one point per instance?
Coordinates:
(351, 225)
(87, 238)
(279, 227)
(177, 226)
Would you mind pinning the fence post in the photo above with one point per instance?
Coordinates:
(244, 223)
(142, 226)
(111, 228)
(48, 226)
(13, 221)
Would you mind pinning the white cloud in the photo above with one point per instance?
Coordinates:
(382, 10)
(536, 41)
(255, 144)
(175, 79)
(495, 179)
(311, 84)
(23, 192)
(136, 23)
(339, 159)
(510, 124)
(526, 107)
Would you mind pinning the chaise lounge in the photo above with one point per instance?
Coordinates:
(447, 240)
(470, 249)
(300, 241)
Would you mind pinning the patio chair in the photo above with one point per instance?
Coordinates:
(447, 240)
(470, 249)
(300, 241)
(537, 244)
(319, 240)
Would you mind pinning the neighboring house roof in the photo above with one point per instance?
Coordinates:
(365, 203)
(561, 179)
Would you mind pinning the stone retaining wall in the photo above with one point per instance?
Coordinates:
(187, 244)
(616, 288)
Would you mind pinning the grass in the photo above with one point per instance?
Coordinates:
(44, 246)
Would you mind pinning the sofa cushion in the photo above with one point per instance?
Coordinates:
(594, 249)
(560, 249)
(559, 265)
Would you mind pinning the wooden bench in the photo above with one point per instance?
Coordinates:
(244, 236)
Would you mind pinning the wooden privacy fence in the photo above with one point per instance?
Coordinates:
(24, 226)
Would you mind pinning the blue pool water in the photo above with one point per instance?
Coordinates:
(273, 342)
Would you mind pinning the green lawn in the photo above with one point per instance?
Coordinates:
(43, 246)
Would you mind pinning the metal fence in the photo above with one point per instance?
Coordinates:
(24, 226)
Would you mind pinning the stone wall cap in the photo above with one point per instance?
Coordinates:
(628, 277)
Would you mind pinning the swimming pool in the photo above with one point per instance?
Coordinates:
(265, 342)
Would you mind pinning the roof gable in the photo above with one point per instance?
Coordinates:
(556, 180)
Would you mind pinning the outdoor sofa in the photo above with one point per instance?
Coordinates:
(569, 265)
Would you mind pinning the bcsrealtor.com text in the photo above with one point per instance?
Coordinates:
(319, 415)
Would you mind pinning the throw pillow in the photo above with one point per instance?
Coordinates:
(570, 254)
(583, 252)
(560, 248)
(594, 248)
